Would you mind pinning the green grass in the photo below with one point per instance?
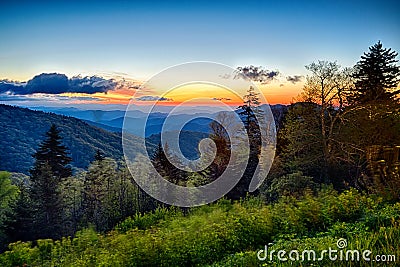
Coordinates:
(226, 234)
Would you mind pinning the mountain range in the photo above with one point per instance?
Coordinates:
(113, 120)
(22, 130)
(85, 131)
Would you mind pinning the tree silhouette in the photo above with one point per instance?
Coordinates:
(50, 167)
(376, 76)
(165, 168)
(54, 154)
(248, 112)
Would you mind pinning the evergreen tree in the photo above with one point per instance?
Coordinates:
(50, 167)
(376, 76)
(47, 205)
(249, 111)
(20, 229)
(160, 161)
(249, 108)
(165, 168)
(98, 194)
(53, 153)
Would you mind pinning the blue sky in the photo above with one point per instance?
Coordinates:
(142, 38)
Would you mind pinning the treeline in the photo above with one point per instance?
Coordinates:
(343, 130)
(54, 203)
(230, 234)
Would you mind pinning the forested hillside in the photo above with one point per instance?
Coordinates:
(334, 183)
(22, 130)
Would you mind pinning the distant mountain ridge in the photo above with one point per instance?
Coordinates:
(112, 120)
(22, 130)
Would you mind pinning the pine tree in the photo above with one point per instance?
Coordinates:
(54, 153)
(376, 76)
(98, 194)
(165, 168)
(50, 167)
(249, 108)
(47, 205)
(20, 230)
(249, 111)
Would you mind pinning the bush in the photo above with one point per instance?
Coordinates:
(222, 234)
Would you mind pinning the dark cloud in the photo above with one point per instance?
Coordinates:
(294, 79)
(153, 98)
(256, 74)
(11, 87)
(91, 85)
(55, 83)
(47, 83)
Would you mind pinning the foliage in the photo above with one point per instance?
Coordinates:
(51, 151)
(51, 166)
(8, 196)
(223, 233)
(293, 184)
(377, 76)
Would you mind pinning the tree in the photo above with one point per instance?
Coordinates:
(312, 126)
(97, 193)
(248, 112)
(21, 228)
(376, 76)
(8, 196)
(165, 168)
(71, 189)
(54, 154)
(293, 184)
(47, 204)
(51, 166)
(222, 143)
(373, 120)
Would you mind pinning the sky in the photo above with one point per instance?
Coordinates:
(129, 41)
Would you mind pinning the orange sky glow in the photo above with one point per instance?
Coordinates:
(274, 93)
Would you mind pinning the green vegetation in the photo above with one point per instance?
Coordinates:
(336, 175)
(8, 196)
(225, 233)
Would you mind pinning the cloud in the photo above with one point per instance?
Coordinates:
(294, 79)
(55, 83)
(91, 85)
(11, 86)
(256, 74)
(153, 98)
